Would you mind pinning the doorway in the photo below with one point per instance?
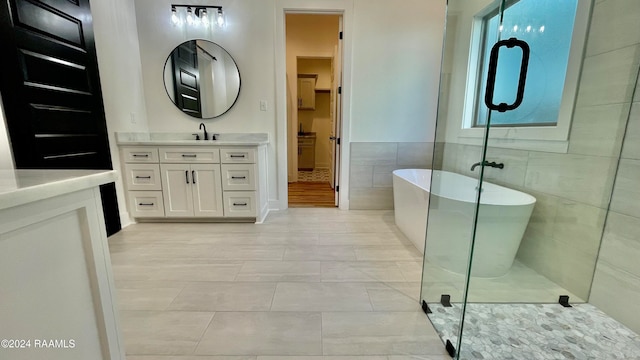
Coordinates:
(314, 77)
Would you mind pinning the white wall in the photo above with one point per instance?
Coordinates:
(6, 158)
(397, 49)
(402, 58)
(248, 37)
(114, 24)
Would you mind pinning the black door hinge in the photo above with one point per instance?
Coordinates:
(451, 350)
(425, 307)
(340, 90)
(338, 141)
(340, 35)
(337, 188)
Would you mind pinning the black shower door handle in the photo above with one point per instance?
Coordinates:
(493, 67)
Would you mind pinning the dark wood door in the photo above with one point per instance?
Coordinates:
(51, 91)
(187, 78)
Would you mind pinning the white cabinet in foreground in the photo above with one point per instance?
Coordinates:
(55, 271)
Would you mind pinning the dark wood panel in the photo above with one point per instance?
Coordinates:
(189, 104)
(48, 21)
(52, 119)
(46, 70)
(50, 89)
(188, 79)
(184, 60)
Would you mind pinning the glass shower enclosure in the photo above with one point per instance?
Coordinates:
(519, 189)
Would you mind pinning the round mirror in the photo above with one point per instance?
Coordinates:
(201, 79)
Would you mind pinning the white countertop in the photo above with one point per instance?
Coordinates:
(18, 187)
(229, 139)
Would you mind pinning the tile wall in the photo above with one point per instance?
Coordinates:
(616, 285)
(372, 164)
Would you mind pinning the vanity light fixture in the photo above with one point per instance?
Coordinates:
(220, 18)
(204, 18)
(174, 16)
(195, 15)
(190, 20)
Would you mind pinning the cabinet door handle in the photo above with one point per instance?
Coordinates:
(238, 177)
(146, 204)
(138, 155)
(189, 155)
(239, 204)
(143, 177)
(237, 156)
(186, 175)
(193, 176)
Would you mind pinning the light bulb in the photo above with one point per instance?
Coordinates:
(515, 27)
(204, 17)
(174, 16)
(500, 28)
(220, 19)
(190, 19)
(529, 28)
(542, 28)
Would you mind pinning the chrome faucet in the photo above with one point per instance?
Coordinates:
(486, 163)
(206, 137)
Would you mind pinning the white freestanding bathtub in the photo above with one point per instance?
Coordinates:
(502, 219)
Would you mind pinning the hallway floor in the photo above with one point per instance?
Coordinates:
(311, 194)
(309, 284)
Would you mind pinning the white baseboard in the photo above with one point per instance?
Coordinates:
(125, 219)
(274, 205)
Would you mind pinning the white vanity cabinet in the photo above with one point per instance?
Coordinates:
(192, 190)
(195, 182)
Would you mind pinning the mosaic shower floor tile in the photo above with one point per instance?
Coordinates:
(535, 331)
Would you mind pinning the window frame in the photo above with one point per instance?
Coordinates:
(550, 137)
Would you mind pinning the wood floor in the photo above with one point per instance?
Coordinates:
(311, 194)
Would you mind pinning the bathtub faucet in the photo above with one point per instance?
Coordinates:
(486, 163)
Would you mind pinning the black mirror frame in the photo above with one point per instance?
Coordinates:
(232, 59)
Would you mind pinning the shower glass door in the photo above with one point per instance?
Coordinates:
(455, 179)
(518, 194)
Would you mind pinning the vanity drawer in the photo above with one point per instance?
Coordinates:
(238, 177)
(140, 154)
(238, 155)
(239, 203)
(189, 155)
(146, 204)
(142, 176)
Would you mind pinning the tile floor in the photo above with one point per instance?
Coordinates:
(315, 175)
(520, 285)
(536, 332)
(309, 284)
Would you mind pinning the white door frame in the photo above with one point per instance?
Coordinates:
(340, 7)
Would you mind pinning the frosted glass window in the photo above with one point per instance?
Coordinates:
(547, 26)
